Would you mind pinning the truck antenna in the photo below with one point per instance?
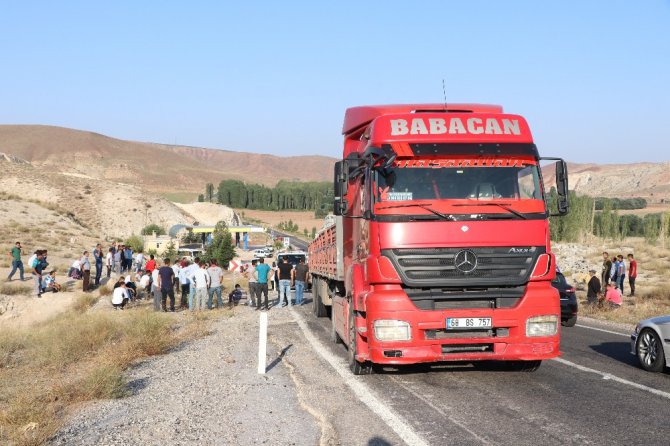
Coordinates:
(444, 92)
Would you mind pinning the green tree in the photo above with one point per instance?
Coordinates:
(170, 250)
(135, 242)
(313, 234)
(201, 198)
(153, 227)
(222, 247)
(190, 237)
(209, 192)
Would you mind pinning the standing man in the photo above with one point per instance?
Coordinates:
(151, 264)
(109, 261)
(97, 255)
(262, 275)
(85, 271)
(621, 272)
(139, 260)
(300, 274)
(117, 260)
(128, 254)
(251, 275)
(614, 271)
(245, 239)
(15, 254)
(185, 284)
(285, 276)
(200, 279)
(215, 276)
(165, 284)
(593, 288)
(632, 273)
(36, 271)
(607, 266)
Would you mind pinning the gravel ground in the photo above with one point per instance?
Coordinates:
(206, 393)
(209, 393)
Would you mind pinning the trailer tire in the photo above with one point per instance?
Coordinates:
(320, 309)
(357, 368)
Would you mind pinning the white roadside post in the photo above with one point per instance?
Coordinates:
(262, 341)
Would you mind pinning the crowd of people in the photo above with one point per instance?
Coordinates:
(44, 281)
(281, 277)
(608, 290)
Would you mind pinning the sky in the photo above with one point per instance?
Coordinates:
(591, 77)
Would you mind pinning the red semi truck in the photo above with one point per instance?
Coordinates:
(439, 249)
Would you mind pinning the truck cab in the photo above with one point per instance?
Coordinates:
(444, 238)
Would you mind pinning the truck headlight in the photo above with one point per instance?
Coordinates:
(391, 330)
(542, 326)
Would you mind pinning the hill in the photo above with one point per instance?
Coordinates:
(158, 168)
(647, 180)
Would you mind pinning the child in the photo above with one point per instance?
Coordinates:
(235, 295)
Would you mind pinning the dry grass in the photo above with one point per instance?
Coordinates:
(78, 356)
(648, 302)
(13, 290)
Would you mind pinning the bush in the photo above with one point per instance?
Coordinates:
(135, 242)
(153, 227)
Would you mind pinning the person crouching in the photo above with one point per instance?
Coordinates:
(120, 296)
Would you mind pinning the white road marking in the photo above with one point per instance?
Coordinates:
(395, 421)
(425, 399)
(603, 330)
(609, 376)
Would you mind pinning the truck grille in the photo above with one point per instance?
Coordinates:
(438, 267)
(439, 299)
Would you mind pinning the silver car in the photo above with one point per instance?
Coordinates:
(650, 342)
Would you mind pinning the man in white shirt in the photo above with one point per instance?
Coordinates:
(185, 285)
(253, 282)
(139, 261)
(155, 290)
(175, 268)
(200, 279)
(216, 276)
(191, 289)
(120, 297)
(109, 262)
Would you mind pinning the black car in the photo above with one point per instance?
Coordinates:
(568, 300)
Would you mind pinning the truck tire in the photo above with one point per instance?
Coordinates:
(320, 309)
(357, 368)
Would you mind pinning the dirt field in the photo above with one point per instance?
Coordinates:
(650, 209)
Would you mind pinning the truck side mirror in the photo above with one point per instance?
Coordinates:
(341, 183)
(562, 187)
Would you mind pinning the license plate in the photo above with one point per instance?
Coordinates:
(468, 322)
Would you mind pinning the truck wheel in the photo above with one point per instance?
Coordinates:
(320, 309)
(333, 333)
(525, 366)
(357, 368)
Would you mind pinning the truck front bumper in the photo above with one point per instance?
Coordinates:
(431, 341)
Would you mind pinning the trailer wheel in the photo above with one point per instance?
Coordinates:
(357, 368)
(319, 308)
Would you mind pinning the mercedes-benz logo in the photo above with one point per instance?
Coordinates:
(465, 261)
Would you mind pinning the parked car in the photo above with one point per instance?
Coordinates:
(650, 342)
(261, 253)
(568, 300)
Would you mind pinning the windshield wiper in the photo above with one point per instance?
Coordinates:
(504, 206)
(423, 206)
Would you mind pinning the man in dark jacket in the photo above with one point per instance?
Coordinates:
(594, 288)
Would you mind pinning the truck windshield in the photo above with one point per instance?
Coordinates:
(459, 186)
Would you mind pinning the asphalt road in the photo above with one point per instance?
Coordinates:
(296, 243)
(594, 394)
